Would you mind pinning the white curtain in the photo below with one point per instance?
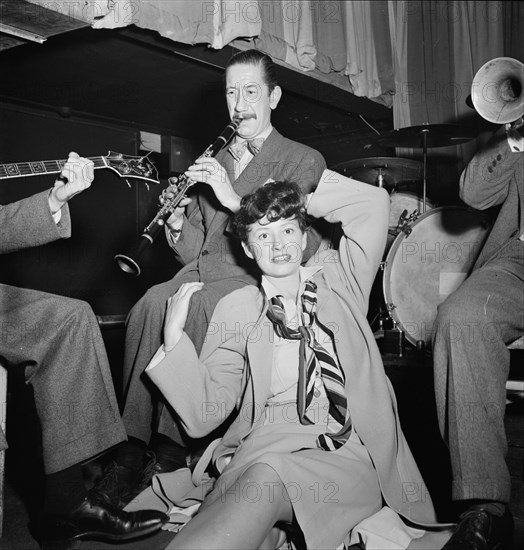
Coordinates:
(343, 43)
(438, 46)
(363, 45)
(417, 55)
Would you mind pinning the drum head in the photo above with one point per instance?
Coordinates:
(404, 200)
(427, 265)
(399, 202)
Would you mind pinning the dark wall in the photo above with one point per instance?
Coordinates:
(106, 219)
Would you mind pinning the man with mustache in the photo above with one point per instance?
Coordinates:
(198, 233)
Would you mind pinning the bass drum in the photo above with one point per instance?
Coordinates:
(400, 201)
(427, 262)
(404, 200)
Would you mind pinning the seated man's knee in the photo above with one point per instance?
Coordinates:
(202, 305)
(70, 316)
(462, 318)
(72, 308)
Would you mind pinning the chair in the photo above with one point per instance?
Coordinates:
(516, 385)
(517, 344)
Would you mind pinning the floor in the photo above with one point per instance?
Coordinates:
(411, 377)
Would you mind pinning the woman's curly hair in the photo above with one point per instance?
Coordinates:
(275, 200)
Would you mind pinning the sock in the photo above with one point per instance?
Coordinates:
(168, 451)
(131, 453)
(64, 490)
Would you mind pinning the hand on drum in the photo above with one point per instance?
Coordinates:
(176, 314)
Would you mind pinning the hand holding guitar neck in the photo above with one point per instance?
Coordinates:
(76, 176)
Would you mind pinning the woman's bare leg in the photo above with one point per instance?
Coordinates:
(242, 517)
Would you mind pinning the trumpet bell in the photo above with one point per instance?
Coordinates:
(496, 90)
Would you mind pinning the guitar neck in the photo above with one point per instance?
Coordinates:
(18, 169)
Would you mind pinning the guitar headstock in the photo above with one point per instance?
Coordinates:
(129, 166)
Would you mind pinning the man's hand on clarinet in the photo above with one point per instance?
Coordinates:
(76, 176)
(209, 170)
(175, 221)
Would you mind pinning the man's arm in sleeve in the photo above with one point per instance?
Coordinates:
(189, 238)
(29, 222)
(485, 180)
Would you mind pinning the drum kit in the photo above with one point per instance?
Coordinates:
(430, 250)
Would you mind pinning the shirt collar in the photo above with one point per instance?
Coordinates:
(305, 272)
(262, 135)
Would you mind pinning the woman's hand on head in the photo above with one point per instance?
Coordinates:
(176, 314)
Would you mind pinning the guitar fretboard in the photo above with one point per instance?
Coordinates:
(15, 170)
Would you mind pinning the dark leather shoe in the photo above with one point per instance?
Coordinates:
(481, 527)
(96, 518)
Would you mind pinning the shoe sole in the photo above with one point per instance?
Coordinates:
(98, 535)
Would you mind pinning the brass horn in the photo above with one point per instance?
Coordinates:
(496, 90)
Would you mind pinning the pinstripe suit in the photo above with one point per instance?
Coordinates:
(59, 337)
(210, 255)
(474, 325)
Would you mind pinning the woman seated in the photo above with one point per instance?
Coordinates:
(315, 442)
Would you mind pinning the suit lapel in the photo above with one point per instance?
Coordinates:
(259, 169)
(260, 360)
(253, 176)
(226, 160)
(220, 217)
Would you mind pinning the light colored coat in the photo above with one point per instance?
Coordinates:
(234, 368)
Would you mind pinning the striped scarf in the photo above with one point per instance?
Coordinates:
(313, 356)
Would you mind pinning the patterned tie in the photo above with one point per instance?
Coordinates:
(252, 145)
(311, 355)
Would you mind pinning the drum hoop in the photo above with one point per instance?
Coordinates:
(386, 288)
(411, 194)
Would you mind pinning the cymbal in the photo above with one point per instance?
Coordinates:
(393, 171)
(437, 135)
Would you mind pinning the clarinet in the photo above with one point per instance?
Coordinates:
(129, 263)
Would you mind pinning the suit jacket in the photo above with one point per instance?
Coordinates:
(205, 244)
(24, 224)
(495, 176)
(233, 371)
(29, 223)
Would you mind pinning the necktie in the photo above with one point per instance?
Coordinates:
(252, 145)
(313, 355)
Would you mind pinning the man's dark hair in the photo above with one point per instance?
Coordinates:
(256, 57)
(276, 200)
